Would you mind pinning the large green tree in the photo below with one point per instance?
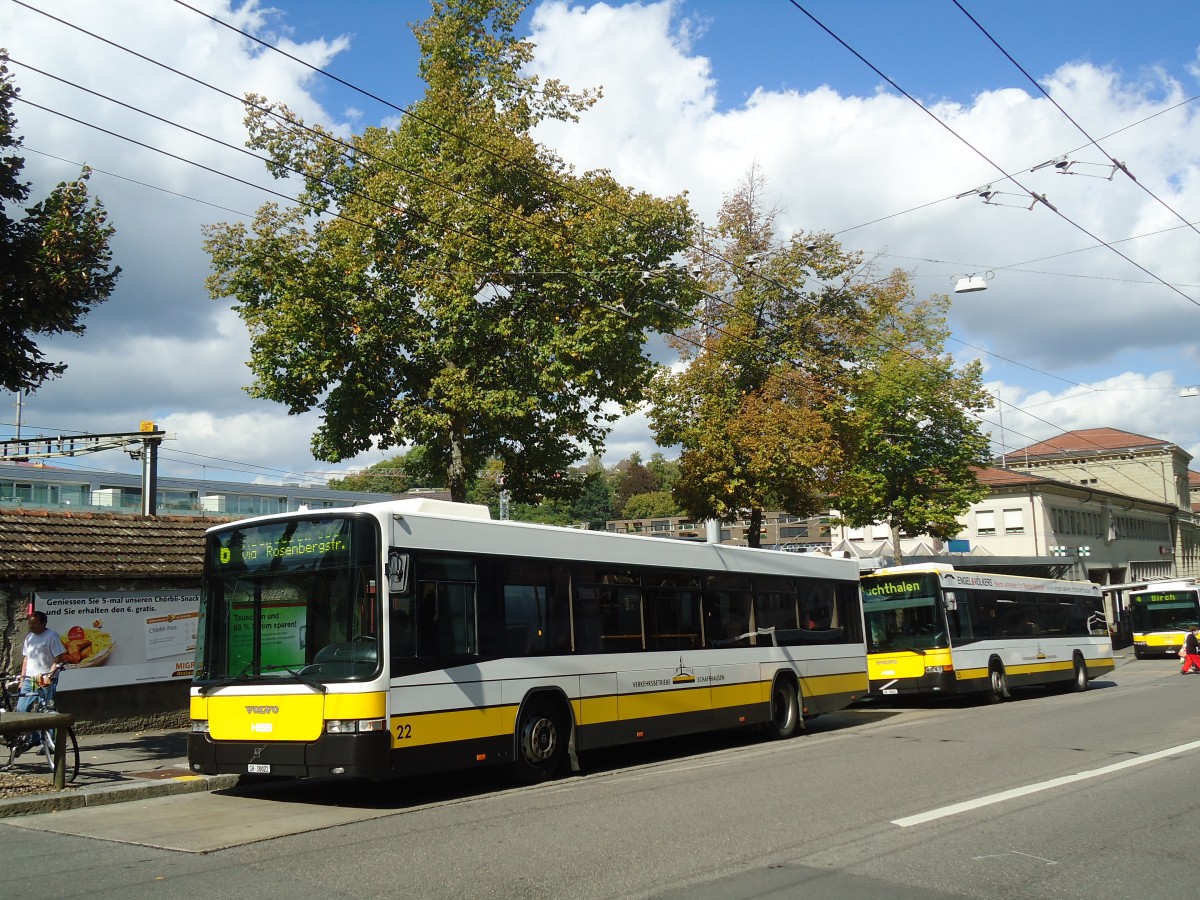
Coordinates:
(757, 409)
(55, 262)
(472, 293)
(917, 436)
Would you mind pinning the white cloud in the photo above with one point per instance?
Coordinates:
(161, 349)
(838, 162)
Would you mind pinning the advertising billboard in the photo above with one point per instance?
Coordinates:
(123, 637)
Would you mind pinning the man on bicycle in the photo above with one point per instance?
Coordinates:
(44, 653)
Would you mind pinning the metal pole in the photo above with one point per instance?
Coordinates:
(60, 758)
(150, 476)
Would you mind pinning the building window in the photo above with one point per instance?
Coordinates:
(985, 522)
(1014, 521)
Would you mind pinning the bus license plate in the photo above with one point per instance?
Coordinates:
(890, 691)
(258, 769)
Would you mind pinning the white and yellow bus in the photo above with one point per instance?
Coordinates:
(416, 636)
(934, 629)
(1161, 614)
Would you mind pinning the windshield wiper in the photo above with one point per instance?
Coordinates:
(230, 680)
(299, 676)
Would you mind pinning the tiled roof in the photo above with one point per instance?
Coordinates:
(1089, 440)
(1003, 477)
(40, 543)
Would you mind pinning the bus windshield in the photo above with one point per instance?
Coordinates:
(290, 599)
(902, 612)
(1164, 610)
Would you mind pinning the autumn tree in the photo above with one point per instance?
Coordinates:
(54, 260)
(758, 408)
(917, 436)
(450, 282)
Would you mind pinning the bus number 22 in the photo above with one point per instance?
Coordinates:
(403, 732)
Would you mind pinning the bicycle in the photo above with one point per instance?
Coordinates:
(13, 746)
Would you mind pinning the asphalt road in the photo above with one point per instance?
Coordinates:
(1052, 795)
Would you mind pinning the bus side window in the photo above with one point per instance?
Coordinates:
(403, 642)
(536, 618)
(727, 610)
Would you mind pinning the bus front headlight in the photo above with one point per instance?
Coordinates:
(354, 726)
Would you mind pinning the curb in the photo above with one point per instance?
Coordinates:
(105, 794)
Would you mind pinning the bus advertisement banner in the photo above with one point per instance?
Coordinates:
(123, 637)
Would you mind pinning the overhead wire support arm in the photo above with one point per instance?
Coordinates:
(989, 196)
(1063, 165)
(25, 449)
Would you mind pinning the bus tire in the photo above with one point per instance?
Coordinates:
(1080, 682)
(542, 736)
(997, 683)
(785, 721)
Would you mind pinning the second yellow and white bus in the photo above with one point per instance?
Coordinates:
(932, 629)
(417, 636)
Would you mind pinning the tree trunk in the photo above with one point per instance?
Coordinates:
(458, 473)
(754, 536)
(897, 553)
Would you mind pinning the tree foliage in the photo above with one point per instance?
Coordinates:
(473, 294)
(650, 505)
(54, 260)
(758, 407)
(808, 382)
(918, 439)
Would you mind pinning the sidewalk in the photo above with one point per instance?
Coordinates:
(114, 768)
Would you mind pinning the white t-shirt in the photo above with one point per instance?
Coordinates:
(39, 651)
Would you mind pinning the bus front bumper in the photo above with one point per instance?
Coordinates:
(352, 755)
(929, 683)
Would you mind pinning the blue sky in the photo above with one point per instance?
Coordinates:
(1071, 335)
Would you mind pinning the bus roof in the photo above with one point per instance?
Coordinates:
(469, 528)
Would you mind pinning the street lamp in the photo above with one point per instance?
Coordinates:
(969, 284)
(1192, 390)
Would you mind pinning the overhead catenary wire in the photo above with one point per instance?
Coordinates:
(1092, 141)
(310, 66)
(293, 198)
(921, 206)
(1037, 197)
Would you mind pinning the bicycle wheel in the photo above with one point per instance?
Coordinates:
(71, 754)
(8, 749)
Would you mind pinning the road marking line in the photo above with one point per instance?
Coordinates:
(968, 805)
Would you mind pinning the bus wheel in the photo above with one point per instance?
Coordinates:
(785, 710)
(998, 684)
(1081, 676)
(541, 742)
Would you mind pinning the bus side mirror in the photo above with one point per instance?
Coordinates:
(397, 571)
(950, 601)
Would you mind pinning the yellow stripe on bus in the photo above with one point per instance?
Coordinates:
(1101, 664)
(422, 729)
(828, 685)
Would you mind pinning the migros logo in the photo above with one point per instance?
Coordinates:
(263, 710)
